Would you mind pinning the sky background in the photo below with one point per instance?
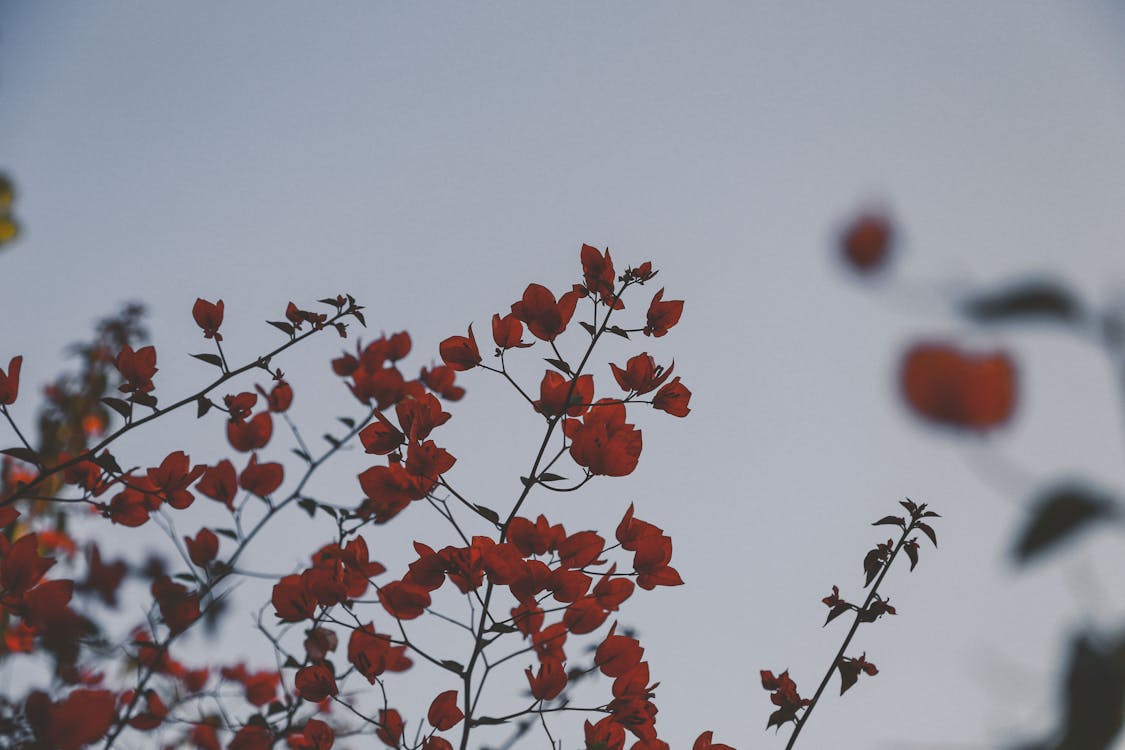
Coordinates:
(433, 159)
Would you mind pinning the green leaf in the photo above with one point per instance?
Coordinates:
(211, 359)
(1026, 301)
(124, 408)
(1059, 514)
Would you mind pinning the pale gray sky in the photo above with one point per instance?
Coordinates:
(432, 159)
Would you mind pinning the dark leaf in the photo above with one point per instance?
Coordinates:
(912, 553)
(453, 666)
(292, 663)
(488, 721)
(203, 405)
(301, 454)
(211, 359)
(836, 611)
(334, 442)
(589, 328)
(124, 408)
(309, 506)
(144, 399)
(275, 708)
(1095, 692)
(23, 454)
(872, 564)
(927, 530)
(229, 534)
(849, 674)
(359, 316)
(559, 365)
(549, 477)
(1025, 301)
(185, 577)
(329, 302)
(347, 422)
(619, 331)
(1058, 514)
(281, 326)
(500, 627)
(488, 513)
(328, 509)
(108, 462)
(891, 521)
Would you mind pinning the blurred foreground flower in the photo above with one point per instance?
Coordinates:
(966, 390)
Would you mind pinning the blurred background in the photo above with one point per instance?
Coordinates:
(433, 159)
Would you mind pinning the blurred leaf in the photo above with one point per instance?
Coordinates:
(23, 454)
(1058, 514)
(1095, 695)
(1026, 301)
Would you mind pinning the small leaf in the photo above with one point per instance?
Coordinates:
(500, 627)
(309, 505)
(836, 611)
(292, 663)
(108, 462)
(185, 577)
(144, 399)
(849, 674)
(347, 422)
(619, 331)
(912, 553)
(124, 408)
(891, 521)
(281, 326)
(211, 359)
(925, 529)
(329, 302)
(453, 666)
(275, 708)
(1026, 301)
(1061, 512)
(488, 721)
(23, 454)
(359, 316)
(589, 328)
(228, 533)
(328, 509)
(558, 364)
(203, 405)
(334, 442)
(549, 477)
(488, 513)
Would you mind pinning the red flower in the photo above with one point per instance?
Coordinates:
(673, 398)
(280, 397)
(252, 434)
(603, 442)
(607, 734)
(545, 316)
(537, 538)
(220, 482)
(389, 489)
(315, 682)
(558, 394)
(23, 567)
(178, 606)
(251, 737)
(240, 405)
(705, 742)
(949, 387)
(174, 475)
(137, 368)
(404, 600)
(850, 669)
(381, 437)
(103, 578)
(261, 479)
(10, 382)
(507, 332)
(460, 352)
(440, 380)
(618, 654)
(203, 548)
(662, 315)
(548, 682)
(81, 718)
(641, 374)
(153, 715)
(315, 735)
(372, 653)
(420, 416)
(866, 242)
(444, 713)
(293, 598)
(598, 274)
(208, 316)
(784, 696)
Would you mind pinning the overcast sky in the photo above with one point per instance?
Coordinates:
(434, 158)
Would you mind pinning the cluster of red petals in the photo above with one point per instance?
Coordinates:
(220, 482)
(172, 478)
(507, 332)
(784, 695)
(81, 718)
(261, 479)
(440, 380)
(662, 315)
(673, 398)
(375, 378)
(444, 713)
(10, 382)
(337, 574)
(250, 434)
(390, 728)
(652, 551)
(178, 606)
(603, 441)
(298, 317)
(947, 386)
(560, 395)
(315, 683)
(641, 374)
(280, 397)
(260, 687)
(545, 316)
(203, 548)
(598, 275)
(373, 653)
(136, 368)
(208, 316)
(866, 243)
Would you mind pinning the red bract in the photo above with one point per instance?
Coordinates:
(390, 727)
(315, 682)
(82, 717)
(137, 368)
(548, 681)
(178, 606)
(618, 654)
(507, 332)
(280, 397)
(239, 406)
(440, 380)
(444, 713)
(220, 482)
(204, 548)
(315, 735)
(261, 479)
(705, 741)
(460, 352)
(607, 734)
(784, 696)
(389, 489)
(598, 275)
(673, 398)
(252, 434)
(603, 442)
(954, 388)
(372, 653)
(404, 600)
(662, 315)
(866, 243)
(558, 394)
(23, 567)
(641, 374)
(293, 599)
(208, 316)
(172, 478)
(420, 416)
(10, 382)
(545, 316)
(251, 737)
(537, 538)
(381, 437)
